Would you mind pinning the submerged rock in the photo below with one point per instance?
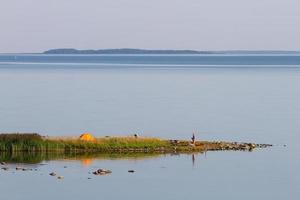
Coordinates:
(60, 177)
(131, 171)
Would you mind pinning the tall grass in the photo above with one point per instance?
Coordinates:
(24, 142)
(34, 142)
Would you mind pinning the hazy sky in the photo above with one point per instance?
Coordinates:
(38, 25)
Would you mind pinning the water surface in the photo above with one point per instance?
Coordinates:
(168, 97)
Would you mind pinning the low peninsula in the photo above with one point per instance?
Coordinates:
(33, 142)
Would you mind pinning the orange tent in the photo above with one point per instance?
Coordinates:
(87, 137)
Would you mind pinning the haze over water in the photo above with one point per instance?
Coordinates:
(252, 98)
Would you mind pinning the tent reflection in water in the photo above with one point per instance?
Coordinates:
(88, 137)
(86, 162)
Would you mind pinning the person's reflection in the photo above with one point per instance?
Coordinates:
(193, 159)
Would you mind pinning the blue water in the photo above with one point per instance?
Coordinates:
(140, 61)
(218, 97)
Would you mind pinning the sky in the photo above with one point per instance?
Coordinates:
(39, 25)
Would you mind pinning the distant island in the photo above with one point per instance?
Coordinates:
(146, 51)
(122, 51)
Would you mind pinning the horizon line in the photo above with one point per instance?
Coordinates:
(142, 49)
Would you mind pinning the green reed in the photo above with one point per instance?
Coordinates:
(36, 143)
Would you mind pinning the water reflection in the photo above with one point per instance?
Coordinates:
(86, 159)
(86, 162)
(193, 159)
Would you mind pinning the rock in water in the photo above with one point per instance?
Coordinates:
(102, 172)
(131, 171)
(52, 174)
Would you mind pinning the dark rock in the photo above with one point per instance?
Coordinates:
(2, 163)
(131, 171)
(52, 174)
(102, 172)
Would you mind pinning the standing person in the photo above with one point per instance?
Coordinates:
(193, 138)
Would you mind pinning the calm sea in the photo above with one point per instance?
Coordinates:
(248, 98)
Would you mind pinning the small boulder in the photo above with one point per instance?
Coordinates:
(52, 174)
(102, 172)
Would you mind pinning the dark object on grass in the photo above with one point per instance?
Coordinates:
(174, 142)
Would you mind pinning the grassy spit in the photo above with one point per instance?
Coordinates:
(36, 143)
